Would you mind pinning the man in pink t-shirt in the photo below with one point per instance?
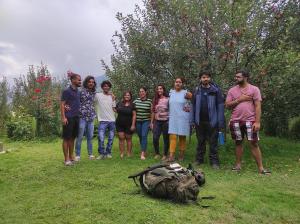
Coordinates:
(244, 100)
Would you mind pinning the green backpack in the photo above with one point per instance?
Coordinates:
(171, 181)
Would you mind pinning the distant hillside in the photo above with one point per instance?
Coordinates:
(100, 79)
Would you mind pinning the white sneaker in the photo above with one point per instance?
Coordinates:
(109, 156)
(77, 158)
(68, 163)
(91, 157)
(100, 157)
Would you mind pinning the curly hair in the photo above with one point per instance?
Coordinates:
(106, 82)
(86, 80)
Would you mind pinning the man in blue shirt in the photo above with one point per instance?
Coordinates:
(208, 118)
(69, 107)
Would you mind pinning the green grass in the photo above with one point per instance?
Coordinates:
(35, 187)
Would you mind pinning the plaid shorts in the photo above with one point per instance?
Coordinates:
(239, 129)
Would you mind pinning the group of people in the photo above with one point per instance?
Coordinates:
(171, 114)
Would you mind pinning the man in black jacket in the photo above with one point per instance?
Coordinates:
(208, 117)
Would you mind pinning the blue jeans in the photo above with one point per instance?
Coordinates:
(88, 128)
(103, 125)
(142, 129)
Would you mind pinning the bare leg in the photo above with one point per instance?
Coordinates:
(121, 143)
(71, 149)
(65, 147)
(257, 155)
(238, 154)
(129, 145)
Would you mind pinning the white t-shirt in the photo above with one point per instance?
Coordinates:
(104, 107)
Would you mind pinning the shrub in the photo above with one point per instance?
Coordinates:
(20, 125)
(20, 130)
(294, 128)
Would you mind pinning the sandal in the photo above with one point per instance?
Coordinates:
(181, 158)
(265, 172)
(236, 169)
(170, 160)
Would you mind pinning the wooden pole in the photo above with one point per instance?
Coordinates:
(1, 147)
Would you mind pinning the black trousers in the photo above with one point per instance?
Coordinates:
(161, 127)
(206, 133)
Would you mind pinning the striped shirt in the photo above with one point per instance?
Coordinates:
(143, 109)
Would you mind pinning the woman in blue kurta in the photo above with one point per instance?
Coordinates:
(179, 118)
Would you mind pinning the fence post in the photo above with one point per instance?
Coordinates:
(1, 147)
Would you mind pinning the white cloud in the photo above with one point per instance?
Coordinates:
(65, 34)
(6, 46)
(10, 64)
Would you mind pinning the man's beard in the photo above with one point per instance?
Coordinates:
(205, 83)
(240, 82)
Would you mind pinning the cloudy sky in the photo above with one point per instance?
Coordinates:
(64, 34)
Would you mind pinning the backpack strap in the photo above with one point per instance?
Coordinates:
(147, 170)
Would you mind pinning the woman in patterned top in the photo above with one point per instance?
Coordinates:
(125, 122)
(87, 115)
(160, 119)
(143, 113)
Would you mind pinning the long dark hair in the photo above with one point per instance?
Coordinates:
(156, 96)
(86, 80)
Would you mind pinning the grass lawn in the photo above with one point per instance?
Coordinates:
(35, 187)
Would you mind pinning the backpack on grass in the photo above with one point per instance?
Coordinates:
(171, 181)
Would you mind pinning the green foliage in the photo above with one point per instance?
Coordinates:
(278, 70)
(294, 128)
(20, 125)
(39, 93)
(166, 39)
(280, 86)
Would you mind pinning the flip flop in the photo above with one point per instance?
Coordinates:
(265, 172)
(170, 160)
